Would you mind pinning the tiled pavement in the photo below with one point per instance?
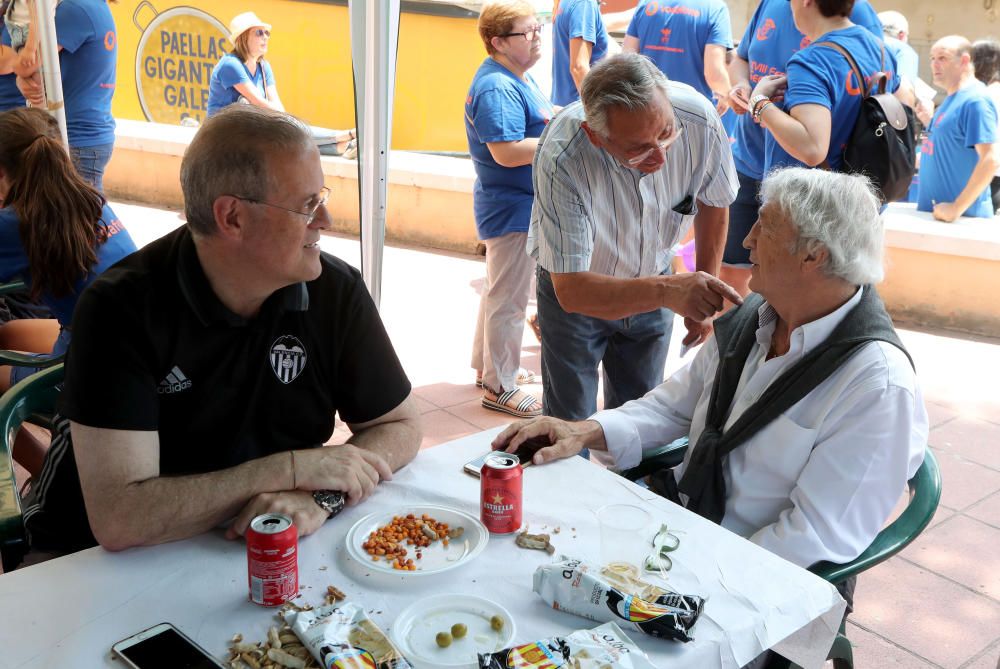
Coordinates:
(937, 604)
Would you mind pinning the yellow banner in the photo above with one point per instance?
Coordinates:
(167, 53)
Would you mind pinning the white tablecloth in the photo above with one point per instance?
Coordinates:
(68, 612)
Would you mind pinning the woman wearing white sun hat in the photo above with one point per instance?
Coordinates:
(243, 75)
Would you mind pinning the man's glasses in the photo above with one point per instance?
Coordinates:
(529, 35)
(260, 32)
(660, 146)
(324, 196)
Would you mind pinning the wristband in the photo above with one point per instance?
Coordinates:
(760, 110)
(756, 100)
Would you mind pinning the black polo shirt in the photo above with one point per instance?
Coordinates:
(153, 348)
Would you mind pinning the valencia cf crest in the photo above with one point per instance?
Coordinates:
(288, 358)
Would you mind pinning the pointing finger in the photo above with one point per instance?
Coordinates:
(725, 290)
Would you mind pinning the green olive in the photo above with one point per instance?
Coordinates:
(496, 622)
(458, 630)
(443, 639)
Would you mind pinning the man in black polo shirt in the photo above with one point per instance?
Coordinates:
(205, 369)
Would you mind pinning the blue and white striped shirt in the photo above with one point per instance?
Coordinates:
(592, 214)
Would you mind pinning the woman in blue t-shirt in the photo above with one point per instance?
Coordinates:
(56, 231)
(821, 94)
(505, 113)
(244, 75)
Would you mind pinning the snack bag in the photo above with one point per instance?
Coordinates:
(342, 636)
(604, 647)
(576, 587)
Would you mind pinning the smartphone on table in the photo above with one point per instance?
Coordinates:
(163, 646)
(524, 453)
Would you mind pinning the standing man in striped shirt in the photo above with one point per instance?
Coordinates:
(619, 177)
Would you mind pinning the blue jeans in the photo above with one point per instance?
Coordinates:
(90, 162)
(633, 351)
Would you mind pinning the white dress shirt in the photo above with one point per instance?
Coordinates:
(593, 214)
(817, 483)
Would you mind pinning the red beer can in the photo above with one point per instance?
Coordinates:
(500, 493)
(272, 559)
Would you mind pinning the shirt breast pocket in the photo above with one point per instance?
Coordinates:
(778, 453)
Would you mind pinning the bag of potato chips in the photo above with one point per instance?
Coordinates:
(342, 636)
(604, 647)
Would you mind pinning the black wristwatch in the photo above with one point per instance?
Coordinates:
(331, 501)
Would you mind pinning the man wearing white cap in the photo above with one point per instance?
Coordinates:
(243, 75)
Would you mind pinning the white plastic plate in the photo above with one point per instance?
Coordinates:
(415, 630)
(435, 558)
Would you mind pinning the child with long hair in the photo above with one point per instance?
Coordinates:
(57, 232)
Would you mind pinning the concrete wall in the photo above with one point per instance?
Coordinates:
(938, 274)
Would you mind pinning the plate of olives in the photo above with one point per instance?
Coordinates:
(450, 630)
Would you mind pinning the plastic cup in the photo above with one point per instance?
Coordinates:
(623, 533)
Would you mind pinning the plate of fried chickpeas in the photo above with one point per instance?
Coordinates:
(416, 541)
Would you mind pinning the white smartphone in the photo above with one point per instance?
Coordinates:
(163, 646)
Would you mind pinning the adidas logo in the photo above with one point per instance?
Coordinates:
(175, 382)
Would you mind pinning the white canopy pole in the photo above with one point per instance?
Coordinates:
(51, 75)
(374, 38)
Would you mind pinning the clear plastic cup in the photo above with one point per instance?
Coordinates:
(623, 533)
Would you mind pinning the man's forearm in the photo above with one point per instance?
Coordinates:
(711, 227)
(163, 509)
(607, 297)
(397, 442)
(979, 180)
(739, 70)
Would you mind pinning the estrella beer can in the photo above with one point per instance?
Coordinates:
(272, 559)
(500, 493)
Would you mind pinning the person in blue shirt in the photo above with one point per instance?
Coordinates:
(505, 113)
(88, 56)
(769, 41)
(822, 96)
(958, 158)
(688, 41)
(244, 74)
(579, 39)
(56, 231)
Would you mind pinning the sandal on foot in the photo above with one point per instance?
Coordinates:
(514, 402)
(532, 321)
(524, 377)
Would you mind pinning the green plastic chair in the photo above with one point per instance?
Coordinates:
(925, 493)
(35, 394)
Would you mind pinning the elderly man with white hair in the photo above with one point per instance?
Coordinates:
(803, 411)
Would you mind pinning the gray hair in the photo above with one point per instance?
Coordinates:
(834, 211)
(626, 80)
(893, 23)
(230, 155)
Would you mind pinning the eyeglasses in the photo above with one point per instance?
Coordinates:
(260, 32)
(530, 35)
(660, 146)
(324, 196)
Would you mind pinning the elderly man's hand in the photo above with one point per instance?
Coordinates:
(32, 90)
(697, 331)
(946, 211)
(566, 439)
(698, 295)
(347, 468)
(299, 505)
